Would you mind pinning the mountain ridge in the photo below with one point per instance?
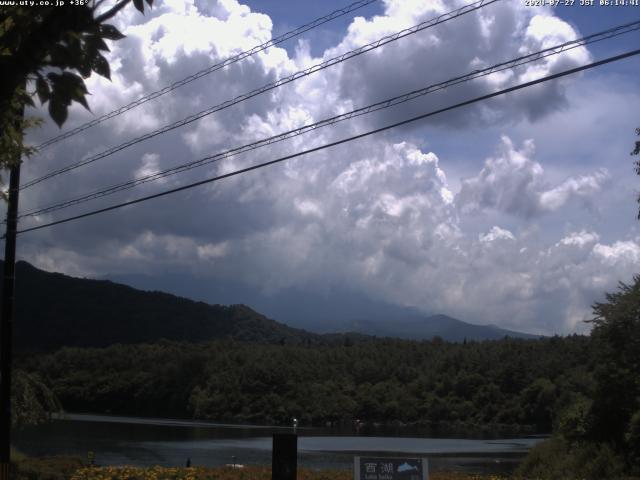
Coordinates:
(426, 327)
(55, 310)
(325, 310)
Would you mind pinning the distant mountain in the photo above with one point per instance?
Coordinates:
(326, 310)
(423, 327)
(308, 308)
(54, 310)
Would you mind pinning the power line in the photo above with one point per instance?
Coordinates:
(270, 86)
(338, 142)
(596, 37)
(229, 61)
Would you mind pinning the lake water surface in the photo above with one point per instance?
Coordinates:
(141, 441)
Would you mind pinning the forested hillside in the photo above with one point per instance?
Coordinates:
(55, 310)
(515, 383)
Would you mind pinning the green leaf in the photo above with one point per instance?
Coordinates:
(95, 42)
(139, 4)
(73, 82)
(84, 67)
(67, 87)
(81, 99)
(110, 32)
(6, 25)
(58, 111)
(53, 76)
(72, 87)
(42, 89)
(76, 51)
(100, 65)
(60, 55)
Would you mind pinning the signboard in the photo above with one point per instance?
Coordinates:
(388, 468)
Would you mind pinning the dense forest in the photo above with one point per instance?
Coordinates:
(521, 384)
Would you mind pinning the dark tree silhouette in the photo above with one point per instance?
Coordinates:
(636, 151)
(47, 51)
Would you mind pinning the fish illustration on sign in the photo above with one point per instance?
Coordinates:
(405, 467)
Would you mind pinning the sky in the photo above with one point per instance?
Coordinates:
(519, 211)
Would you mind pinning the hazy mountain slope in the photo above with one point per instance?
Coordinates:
(326, 311)
(426, 327)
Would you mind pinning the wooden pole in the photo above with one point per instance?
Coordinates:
(6, 322)
(284, 456)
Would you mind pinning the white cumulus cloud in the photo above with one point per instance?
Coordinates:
(512, 182)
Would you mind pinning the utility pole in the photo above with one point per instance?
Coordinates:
(6, 322)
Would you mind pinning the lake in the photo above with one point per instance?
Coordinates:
(142, 441)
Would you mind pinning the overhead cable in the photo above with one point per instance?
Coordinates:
(338, 142)
(268, 87)
(536, 56)
(225, 63)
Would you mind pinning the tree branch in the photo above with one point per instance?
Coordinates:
(97, 4)
(112, 11)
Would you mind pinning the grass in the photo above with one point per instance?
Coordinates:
(71, 468)
(17, 456)
(227, 473)
(47, 468)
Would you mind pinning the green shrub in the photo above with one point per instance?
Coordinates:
(556, 458)
(47, 468)
(632, 440)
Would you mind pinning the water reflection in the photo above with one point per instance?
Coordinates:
(136, 441)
